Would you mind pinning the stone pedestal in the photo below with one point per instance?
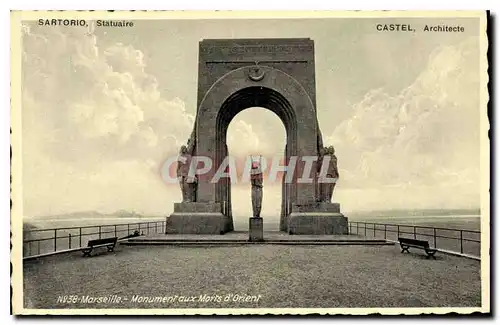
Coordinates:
(255, 229)
(197, 218)
(317, 219)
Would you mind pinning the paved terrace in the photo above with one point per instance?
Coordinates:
(284, 276)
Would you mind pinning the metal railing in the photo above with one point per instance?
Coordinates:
(43, 241)
(455, 240)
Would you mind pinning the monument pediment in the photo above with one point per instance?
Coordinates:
(294, 56)
(275, 50)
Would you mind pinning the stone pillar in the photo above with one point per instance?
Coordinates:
(255, 229)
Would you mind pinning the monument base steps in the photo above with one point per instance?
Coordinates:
(207, 218)
(317, 223)
(320, 218)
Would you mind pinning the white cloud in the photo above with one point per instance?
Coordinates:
(97, 96)
(256, 131)
(95, 125)
(427, 135)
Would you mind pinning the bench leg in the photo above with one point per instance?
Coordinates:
(405, 249)
(431, 254)
(86, 252)
(111, 248)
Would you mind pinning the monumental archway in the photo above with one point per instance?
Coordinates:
(277, 74)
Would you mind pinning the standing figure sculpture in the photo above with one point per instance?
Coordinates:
(256, 180)
(328, 175)
(186, 181)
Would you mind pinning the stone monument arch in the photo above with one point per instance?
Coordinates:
(276, 74)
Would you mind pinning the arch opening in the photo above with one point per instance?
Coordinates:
(253, 132)
(255, 96)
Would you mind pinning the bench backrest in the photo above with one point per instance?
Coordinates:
(103, 241)
(415, 242)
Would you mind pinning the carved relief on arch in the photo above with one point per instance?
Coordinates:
(256, 73)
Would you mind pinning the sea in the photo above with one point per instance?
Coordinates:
(464, 222)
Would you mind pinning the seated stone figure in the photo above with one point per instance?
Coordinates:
(186, 181)
(328, 180)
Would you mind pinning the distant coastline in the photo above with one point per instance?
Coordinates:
(93, 215)
(89, 215)
(450, 218)
(395, 213)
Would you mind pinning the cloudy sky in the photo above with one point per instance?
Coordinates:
(103, 108)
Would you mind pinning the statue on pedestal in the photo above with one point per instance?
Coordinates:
(328, 175)
(256, 180)
(187, 182)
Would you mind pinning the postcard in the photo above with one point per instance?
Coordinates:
(240, 163)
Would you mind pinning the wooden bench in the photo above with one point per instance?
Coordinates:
(110, 243)
(406, 243)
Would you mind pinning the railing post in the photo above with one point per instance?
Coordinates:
(115, 232)
(385, 231)
(374, 230)
(80, 236)
(357, 228)
(365, 228)
(69, 241)
(99, 232)
(414, 232)
(398, 231)
(128, 228)
(38, 242)
(139, 227)
(29, 248)
(55, 240)
(461, 242)
(435, 244)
